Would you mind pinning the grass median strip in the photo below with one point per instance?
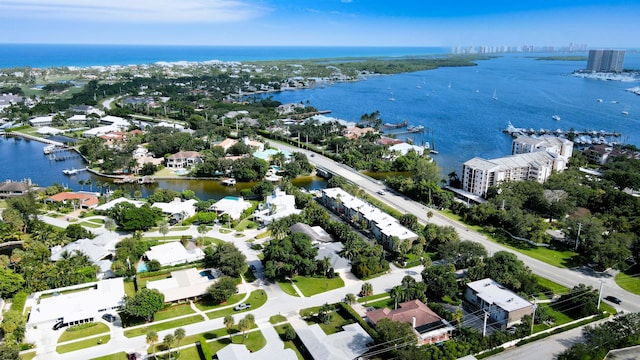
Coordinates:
(163, 326)
(256, 299)
(286, 286)
(116, 356)
(83, 344)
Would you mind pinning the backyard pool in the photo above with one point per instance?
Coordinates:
(142, 267)
(208, 274)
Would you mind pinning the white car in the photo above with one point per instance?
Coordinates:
(242, 306)
(381, 192)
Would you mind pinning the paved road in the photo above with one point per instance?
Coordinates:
(567, 277)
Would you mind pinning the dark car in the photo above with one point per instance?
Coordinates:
(132, 356)
(252, 267)
(58, 325)
(613, 299)
(109, 317)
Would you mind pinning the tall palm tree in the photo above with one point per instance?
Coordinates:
(81, 183)
(228, 323)
(397, 293)
(366, 291)
(179, 334)
(152, 339)
(350, 298)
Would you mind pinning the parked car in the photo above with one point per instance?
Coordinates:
(261, 226)
(613, 299)
(58, 325)
(242, 306)
(381, 192)
(108, 317)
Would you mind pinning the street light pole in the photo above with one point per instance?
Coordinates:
(578, 236)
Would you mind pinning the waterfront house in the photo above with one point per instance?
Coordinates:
(40, 121)
(231, 205)
(277, 205)
(427, 325)
(10, 188)
(178, 209)
(404, 148)
(184, 159)
(226, 143)
(355, 132)
(502, 305)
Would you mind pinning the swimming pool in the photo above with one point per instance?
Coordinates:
(207, 273)
(142, 267)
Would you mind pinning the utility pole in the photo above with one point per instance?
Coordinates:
(533, 317)
(600, 294)
(578, 237)
(484, 327)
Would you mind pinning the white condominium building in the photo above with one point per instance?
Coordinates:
(552, 144)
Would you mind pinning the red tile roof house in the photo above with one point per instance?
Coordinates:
(429, 326)
(85, 201)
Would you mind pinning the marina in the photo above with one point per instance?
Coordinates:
(582, 137)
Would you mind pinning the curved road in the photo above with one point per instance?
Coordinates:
(566, 277)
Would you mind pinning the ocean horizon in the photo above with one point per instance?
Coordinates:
(59, 55)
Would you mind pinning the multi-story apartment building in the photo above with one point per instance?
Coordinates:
(606, 60)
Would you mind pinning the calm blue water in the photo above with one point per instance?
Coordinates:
(464, 121)
(45, 55)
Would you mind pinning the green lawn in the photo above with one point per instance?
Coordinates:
(179, 228)
(629, 279)
(30, 355)
(552, 286)
(129, 288)
(82, 344)
(288, 344)
(160, 238)
(310, 286)
(254, 341)
(368, 299)
(82, 331)
(96, 221)
(142, 279)
(275, 319)
(163, 326)
(256, 299)
(244, 224)
(116, 356)
(338, 319)
(389, 303)
(560, 317)
(173, 311)
(191, 339)
(287, 287)
(90, 224)
(187, 354)
(204, 306)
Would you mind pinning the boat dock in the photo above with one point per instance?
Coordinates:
(399, 125)
(515, 132)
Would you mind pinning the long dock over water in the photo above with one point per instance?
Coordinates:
(582, 137)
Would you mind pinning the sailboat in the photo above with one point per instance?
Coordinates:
(392, 98)
(449, 85)
(495, 96)
(555, 117)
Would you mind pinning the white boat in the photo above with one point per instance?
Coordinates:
(449, 86)
(625, 113)
(495, 96)
(391, 98)
(229, 182)
(555, 117)
(599, 100)
(48, 149)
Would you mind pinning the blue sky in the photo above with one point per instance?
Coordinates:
(322, 22)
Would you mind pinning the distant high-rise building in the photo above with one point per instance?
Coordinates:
(605, 60)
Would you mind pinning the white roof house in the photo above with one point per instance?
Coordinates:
(99, 250)
(231, 205)
(347, 344)
(184, 284)
(178, 207)
(279, 205)
(41, 121)
(101, 130)
(404, 148)
(503, 305)
(77, 307)
(112, 203)
(173, 253)
(48, 130)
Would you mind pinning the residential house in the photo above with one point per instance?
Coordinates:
(231, 205)
(178, 209)
(226, 143)
(10, 188)
(7, 100)
(40, 121)
(404, 148)
(503, 306)
(77, 307)
(100, 252)
(277, 205)
(315, 233)
(185, 284)
(184, 159)
(84, 200)
(355, 132)
(349, 343)
(428, 326)
(173, 253)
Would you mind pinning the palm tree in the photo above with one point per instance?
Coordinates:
(163, 228)
(179, 334)
(228, 323)
(397, 292)
(81, 183)
(244, 325)
(152, 339)
(429, 216)
(202, 229)
(350, 298)
(90, 183)
(168, 342)
(110, 224)
(366, 291)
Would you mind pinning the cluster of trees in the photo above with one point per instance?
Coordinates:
(289, 256)
(227, 258)
(128, 251)
(132, 218)
(144, 304)
(221, 290)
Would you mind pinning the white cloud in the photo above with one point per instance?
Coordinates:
(162, 11)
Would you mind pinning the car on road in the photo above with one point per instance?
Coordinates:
(261, 226)
(613, 299)
(242, 306)
(109, 317)
(252, 267)
(381, 192)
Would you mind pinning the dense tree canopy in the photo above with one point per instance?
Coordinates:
(289, 256)
(144, 304)
(226, 257)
